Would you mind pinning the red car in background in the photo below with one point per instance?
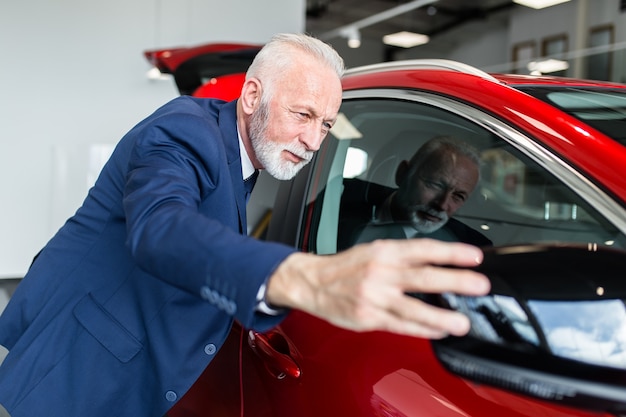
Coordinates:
(213, 70)
(549, 340)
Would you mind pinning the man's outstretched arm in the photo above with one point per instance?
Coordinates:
(364, 288)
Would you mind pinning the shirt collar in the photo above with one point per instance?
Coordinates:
(247, 168)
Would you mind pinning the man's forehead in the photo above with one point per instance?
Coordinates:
(447, 167)
(323, 104)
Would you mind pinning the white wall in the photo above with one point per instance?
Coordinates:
(72, 75)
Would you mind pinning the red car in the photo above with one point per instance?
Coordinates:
(550, 339)
(212, 70)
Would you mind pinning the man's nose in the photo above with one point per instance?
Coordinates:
(312, 138)
(443, 201)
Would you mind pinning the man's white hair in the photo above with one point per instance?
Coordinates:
(277, 56)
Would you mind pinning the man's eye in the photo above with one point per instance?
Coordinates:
(434, 185)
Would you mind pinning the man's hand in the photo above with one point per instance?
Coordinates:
(364, 288)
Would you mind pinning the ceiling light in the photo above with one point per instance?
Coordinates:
(405, 39)
(353, 35)
(539, 4)
(547, 66)
(354, 41)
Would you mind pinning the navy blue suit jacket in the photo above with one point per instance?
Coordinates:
(131, 299)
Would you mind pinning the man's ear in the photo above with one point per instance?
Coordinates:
(250, 95)
(401, 172)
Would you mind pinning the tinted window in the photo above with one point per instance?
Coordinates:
(515, 201)
(603, 109)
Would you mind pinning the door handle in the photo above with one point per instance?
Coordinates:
(273, 349)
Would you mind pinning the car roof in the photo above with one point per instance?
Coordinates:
(592, 152)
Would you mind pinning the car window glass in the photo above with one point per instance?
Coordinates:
(515, 201)
(604, 109)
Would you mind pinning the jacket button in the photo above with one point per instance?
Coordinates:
(205, 292)
(208, 294)
(210, 349)
(222, 303)
(171, 396)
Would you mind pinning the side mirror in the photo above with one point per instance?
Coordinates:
(553, 326)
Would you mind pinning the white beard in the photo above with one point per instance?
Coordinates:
(269, 153)
(427, 226)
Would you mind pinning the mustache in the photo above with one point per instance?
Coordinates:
(430, 211)
(300, 152)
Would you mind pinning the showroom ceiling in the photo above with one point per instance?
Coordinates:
(326, 16)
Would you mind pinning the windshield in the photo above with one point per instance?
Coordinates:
(602, 109)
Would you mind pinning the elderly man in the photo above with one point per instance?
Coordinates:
(432, 186)
(127, 304)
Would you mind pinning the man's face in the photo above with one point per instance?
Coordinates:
(428, 197)
(287, 130)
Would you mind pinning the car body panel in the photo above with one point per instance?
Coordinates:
(225, 87)
(389, 375)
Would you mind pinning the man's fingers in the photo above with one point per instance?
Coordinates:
(413, 317)
(421, 251)
(438, 320)
(435, 279)
(423, 265)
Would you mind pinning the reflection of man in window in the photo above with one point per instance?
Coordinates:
(432, 186)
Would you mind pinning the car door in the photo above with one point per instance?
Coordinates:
(526, 194)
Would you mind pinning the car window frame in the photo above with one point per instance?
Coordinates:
(529, 146)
